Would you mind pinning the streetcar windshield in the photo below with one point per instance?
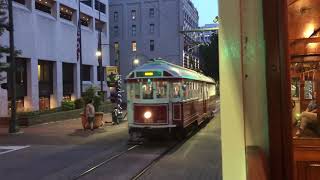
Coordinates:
(161, 89)
(147, 90)
(134, 91)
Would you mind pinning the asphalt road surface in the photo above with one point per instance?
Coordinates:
(64, 151)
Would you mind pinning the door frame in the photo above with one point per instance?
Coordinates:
(275, 20)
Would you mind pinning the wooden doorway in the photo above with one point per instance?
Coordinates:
(293, 75)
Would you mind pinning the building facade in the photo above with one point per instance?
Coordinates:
(48, 68)
(145, 29)
(205, 36)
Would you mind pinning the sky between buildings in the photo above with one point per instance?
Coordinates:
(208, 10)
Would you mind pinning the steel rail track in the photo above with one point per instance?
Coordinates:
(90, 170)
(153, 162)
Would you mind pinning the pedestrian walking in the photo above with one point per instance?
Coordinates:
(90, 113)
(115, 117)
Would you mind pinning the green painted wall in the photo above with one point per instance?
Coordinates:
(242, 83)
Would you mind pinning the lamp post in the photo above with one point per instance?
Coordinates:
(99, 52)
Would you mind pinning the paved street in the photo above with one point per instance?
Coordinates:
(198, 158)
(63, 150)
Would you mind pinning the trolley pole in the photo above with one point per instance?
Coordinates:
(13, 121)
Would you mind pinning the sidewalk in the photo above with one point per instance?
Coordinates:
(57, 133)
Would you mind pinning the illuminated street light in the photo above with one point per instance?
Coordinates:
(98, 53)
(136, 61)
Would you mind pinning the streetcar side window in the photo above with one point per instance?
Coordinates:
(147, 90)
(175, 90)
(161, 89)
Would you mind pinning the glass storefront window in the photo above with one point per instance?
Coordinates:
(147, 90)
(161, 89)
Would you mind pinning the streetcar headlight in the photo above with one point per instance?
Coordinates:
(147, 114)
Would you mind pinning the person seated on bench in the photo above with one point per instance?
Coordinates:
(309, 116)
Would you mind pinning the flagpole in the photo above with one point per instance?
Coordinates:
(80, 47)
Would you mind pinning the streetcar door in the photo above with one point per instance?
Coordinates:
(205, 95)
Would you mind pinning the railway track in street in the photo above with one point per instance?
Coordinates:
(137, 173)
(93, 168)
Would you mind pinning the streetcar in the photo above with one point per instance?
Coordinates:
(166, 98)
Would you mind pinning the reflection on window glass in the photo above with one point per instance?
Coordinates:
(161, 89)
(147, 90)
(185, 88)
(175, 90)
(308, 90)
(295, 85)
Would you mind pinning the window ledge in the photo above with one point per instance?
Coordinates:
(67, 22)
(21, 7)
(86, 28)
(46, 15)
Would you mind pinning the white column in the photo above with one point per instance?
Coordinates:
(76, 82)
(56, 97)
(31, 101)
(94, 78)
(3, 96)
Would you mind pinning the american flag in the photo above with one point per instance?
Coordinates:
(78, 40)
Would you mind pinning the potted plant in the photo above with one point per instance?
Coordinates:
(91, 94)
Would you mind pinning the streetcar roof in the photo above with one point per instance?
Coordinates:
(175, 71)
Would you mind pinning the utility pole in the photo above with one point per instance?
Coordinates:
(13, 122)
(80, 46)
(100, 57)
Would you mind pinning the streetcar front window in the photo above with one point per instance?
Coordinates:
(147, 90)
(134, 91)
(161, 89)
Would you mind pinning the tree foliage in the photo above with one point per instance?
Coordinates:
(210, 57)
(3, 25)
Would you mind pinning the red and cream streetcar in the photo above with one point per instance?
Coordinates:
(164, 97)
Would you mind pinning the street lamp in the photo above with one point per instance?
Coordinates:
(98, 53)
(136, 61)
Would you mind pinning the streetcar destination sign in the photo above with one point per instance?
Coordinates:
(149, 74)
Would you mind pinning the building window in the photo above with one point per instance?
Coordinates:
(115, 16)
(87, 2)
(133, 14)
(151, 28)
(117, 51)
(21, 77)
(45, 77)
(68, 75)
(66, 12)
(151, 45)
(100, 25)
(20, 1)
(43, 72)
(134, 30)
(86, 72)
(116, 30)
(99, 6)
(98, 73)
(44, 5)
(85, 20)
(151, 12)
(134, 46)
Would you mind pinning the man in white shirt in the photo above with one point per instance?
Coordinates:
(90, 112)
